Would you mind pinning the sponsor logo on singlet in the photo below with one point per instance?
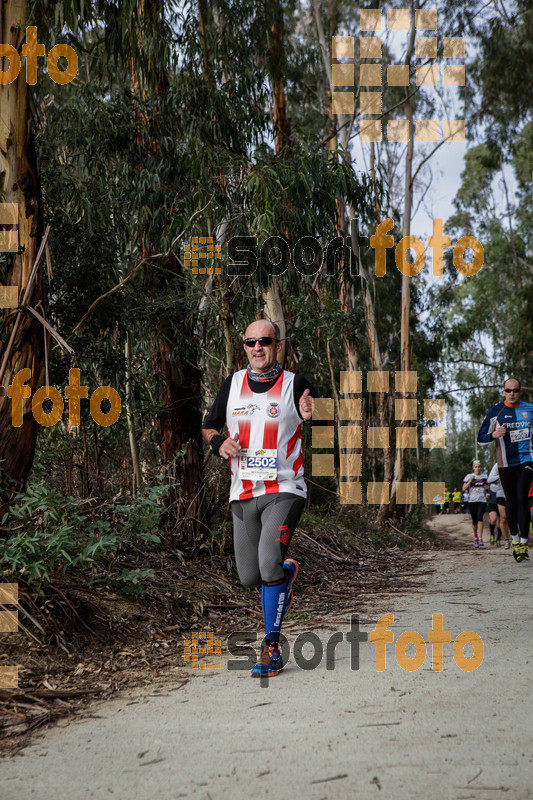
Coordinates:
(245, 412)
(273, 410)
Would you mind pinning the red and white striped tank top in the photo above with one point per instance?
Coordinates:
(269, 421)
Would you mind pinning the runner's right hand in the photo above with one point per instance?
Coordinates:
(501, 430)
(230, 447)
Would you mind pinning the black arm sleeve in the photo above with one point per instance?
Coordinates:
(216, 416)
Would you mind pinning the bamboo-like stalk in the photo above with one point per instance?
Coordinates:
(130, 419)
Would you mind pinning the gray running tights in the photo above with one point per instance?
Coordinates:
(262, 529)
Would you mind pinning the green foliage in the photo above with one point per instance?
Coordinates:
(45, 534)
(166, 133)
(139, 519)
(503, 70)
(452, 464)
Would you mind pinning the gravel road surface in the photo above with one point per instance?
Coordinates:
(326, 733)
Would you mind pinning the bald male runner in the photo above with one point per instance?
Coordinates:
(263, 407)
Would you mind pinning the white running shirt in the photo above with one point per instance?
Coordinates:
(476, 493)
(267, 421)
(494, 482)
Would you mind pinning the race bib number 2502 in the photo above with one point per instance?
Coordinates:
(258, 465)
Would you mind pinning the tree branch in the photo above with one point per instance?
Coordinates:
(442, 392)
(471, 361)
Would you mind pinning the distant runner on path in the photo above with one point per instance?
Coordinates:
(474, 483)
(456, 497)
(264, 407)
(496, 490)
(447, 501)
(437, 499)
(510, 424)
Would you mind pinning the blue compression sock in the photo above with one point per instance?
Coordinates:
(273, 601)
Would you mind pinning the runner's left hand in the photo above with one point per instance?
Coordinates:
(306, 405)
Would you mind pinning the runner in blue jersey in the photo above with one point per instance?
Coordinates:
(510, 424)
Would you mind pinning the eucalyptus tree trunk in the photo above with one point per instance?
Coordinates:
(282, 138)
(377, 360)
(280, 120)
(274, 312)
(19, 185)
(176, 370)
(130, 418)
(405, 351)
(346, 289)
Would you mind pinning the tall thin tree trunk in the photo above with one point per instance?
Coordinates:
(179, 422)
(377, 359)
(337, 406)
(282, 136)
(346, 291)
(19, 185)
(405, 356)
(177, 375)
(405, 351)
(280, 120)
(134, 450)
(274, 312)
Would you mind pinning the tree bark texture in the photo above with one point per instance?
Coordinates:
(405, 351)
(19, 185)
(280, 120)
(177, 377)
(179, 422)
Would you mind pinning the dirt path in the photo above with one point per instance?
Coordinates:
(326, 733)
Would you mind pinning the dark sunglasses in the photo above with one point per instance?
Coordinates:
(264, 341)
(512, 390)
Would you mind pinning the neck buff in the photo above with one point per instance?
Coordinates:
(264, 377)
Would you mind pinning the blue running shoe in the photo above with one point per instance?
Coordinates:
(269, 662)
(290, 567)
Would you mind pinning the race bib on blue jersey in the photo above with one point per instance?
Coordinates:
(520, 436)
